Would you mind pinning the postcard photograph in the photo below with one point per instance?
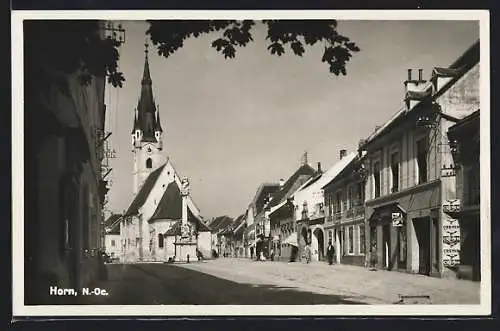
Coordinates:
(251, 163)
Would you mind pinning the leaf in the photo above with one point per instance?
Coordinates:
(352, 47)
(220, 44)
(297, 48)
(276, 48)
(229, 52)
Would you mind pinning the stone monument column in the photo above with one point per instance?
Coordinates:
(186, 246)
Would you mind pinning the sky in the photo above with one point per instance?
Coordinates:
(230, 125)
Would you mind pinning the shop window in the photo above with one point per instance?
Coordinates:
(422, 161)
(395, 172)
(160, 240)
(349, 197)
(359, 194)
(350, 233)
(376, 178)
(362, 242)
(338, 201)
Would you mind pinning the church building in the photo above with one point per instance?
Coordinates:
(162, 223)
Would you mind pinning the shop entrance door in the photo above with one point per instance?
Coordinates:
(422, 230)
(386, 246)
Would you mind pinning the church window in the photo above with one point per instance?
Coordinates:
(160, 240)
(149, 163)
(112, 243)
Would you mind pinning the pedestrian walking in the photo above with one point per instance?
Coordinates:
(329, 252)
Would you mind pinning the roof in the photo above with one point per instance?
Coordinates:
(170, 205)
(220, 223)
(322, 180)
(458, 68)
(470, 122)
(112, 224)
(175, 230)
(281, 195)
(263, 192)
(239, 223)
(143, 193)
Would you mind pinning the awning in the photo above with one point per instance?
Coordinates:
(385, 212)
(291, 240)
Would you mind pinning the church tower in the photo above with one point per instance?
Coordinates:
(147, 131)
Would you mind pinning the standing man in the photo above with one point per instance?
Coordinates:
(330, 252)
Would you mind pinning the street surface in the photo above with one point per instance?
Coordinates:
(245, 282)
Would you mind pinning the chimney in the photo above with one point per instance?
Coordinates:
(282, 182)
(413, 85)
(319, 167)
(343, 153)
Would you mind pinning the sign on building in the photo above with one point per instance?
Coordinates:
(397, 220)
(451, 205)
(451, 242)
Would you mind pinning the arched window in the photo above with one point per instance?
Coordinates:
(149, 163)
(160, 240)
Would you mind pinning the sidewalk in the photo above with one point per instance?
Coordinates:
(375, 287)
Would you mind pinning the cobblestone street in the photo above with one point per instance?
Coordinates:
(372, 287)
(242, 281)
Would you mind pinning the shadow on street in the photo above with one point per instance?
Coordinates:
(156, 284)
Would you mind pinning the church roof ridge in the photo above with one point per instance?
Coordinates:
(144, 191)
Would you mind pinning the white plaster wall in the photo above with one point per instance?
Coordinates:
(205, 243)
(160, 226)
(115, 250)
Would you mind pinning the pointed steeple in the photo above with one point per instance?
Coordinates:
(158, 122)
(146, 108)
(146, 75)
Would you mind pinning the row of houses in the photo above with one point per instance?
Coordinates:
(406, 200)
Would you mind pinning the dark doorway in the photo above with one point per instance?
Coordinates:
(321, 244)
(422, 230)
(386, 246)
(373, 246)
(401, 252)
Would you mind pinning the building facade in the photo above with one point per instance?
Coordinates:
(257, 231)
(465, 143)
(112, 236)
(281, 214)
(64, 132)
(345, 213)
(309, 206)
(409, 161)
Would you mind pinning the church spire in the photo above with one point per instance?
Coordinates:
(147, 117)
(146, 76)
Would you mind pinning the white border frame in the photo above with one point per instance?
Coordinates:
(19, 309)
